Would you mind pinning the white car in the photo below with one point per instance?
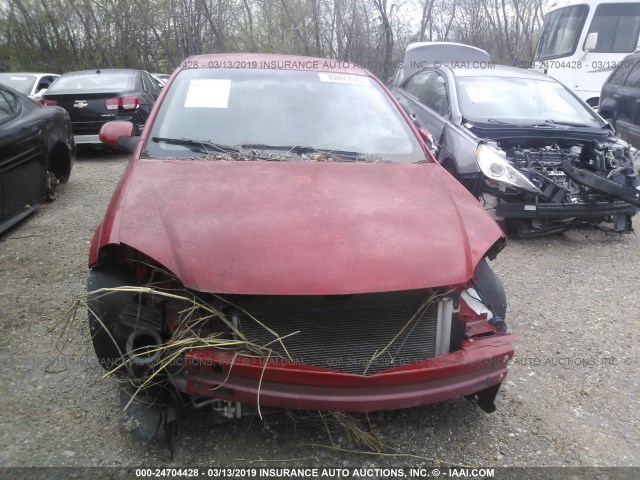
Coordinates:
(161, 78)
(29, 83)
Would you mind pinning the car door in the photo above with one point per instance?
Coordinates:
(611, 96)
(424, 97)
(154, 86)
(150, 93)
(23, 167)
(628, 122)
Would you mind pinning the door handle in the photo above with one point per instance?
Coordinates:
(35, 130)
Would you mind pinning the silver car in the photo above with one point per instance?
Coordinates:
(33, 85)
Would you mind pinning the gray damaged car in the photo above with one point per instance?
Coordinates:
(539, 157)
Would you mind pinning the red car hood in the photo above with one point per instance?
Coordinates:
(300, 228)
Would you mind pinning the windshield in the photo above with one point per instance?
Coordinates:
(561, 32)
(521, 101)
(617, 26)
(94, 82)
(280, 111)
(21, 83)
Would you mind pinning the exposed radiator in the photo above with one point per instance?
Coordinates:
(346, 337)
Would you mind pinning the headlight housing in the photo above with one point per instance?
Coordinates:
(499, 170)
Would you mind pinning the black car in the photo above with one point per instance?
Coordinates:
(94, 97)
(620, 99)
(541, 158)
(37, 152)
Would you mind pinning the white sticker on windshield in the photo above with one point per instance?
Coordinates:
(208, 93)
(479, 94)
(343, 78)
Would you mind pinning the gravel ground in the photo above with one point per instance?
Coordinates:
(574, 303)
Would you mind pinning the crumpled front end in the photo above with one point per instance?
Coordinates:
(557, 185)
(357, 353)
(477, 369)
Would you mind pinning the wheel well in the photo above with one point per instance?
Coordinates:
(473, 185)
(60, 162)
(593, 102)
(450, 167)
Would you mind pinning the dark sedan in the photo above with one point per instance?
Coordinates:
(94, 97)
(541, 158)
(36, 153)
(620, 99)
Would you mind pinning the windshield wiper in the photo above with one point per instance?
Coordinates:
(297, 149)
(326, 153)
(264, 146)
(567, 124)
(555, 124)
(205, 147)
(546, 124)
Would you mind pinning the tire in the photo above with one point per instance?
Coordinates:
(104, 310)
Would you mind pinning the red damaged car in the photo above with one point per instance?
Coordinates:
(283, 238)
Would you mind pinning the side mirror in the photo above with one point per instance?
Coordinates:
(590, 42)
(428, 139)
(119, 133)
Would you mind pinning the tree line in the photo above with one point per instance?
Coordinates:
(156, 35)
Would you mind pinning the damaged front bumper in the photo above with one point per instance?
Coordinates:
(619, 199)
(563, 210)
(477, 369)
(624, 192)
(557, 217)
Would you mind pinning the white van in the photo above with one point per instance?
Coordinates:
(582, 41)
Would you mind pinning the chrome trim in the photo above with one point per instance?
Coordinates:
(443, 332)
(80, 139)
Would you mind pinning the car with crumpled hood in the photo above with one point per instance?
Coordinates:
(282, 238)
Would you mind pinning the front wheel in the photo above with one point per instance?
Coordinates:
(104, 312)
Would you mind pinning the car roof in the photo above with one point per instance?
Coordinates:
(493, 70)
(421, 54)
(103, 70)
(30, 73)
(270, 61)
